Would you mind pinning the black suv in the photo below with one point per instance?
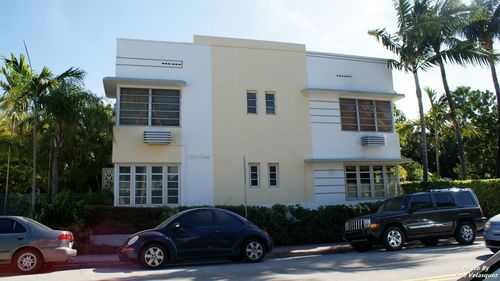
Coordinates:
(425, 216)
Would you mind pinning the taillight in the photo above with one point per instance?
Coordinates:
(65, 237)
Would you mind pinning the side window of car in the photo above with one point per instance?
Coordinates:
(225, 219)
(421, 201)
(202, 218)
(444, 200)
(6, 226)
(19, 228)
(465, 199)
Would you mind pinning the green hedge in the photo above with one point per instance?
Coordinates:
(487, 191)
(287, 225)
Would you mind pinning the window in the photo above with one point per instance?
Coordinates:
(365, 115)
(173, 185)
(370, 181)
(252, 103)
(464, 199)
(224, 219)
(156, 185)
(254, 175)
(124, 186)
(148, 184)
(422, 201)
(202, 218)
(272, 170)
(134, 104)
(443, 200)
(149, 107)
(6, 226)
(270, 103)
(165, 108)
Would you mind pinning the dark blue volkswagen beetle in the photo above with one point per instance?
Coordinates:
(198, 233)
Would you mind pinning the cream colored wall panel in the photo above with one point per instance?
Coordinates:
(129, 147)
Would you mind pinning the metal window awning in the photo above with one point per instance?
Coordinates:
(357, 160)
(353, 93)
(110, 83)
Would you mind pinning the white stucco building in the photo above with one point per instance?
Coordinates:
(224, 121)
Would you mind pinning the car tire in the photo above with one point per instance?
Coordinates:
(430, 242)
(361, 247)
(153, 256)
(253, 250)
(27, 261)
(465, 234)
(393, 238)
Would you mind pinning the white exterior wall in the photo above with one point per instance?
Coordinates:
(136, 59)
(367, 75)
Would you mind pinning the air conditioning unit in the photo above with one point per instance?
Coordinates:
(373, 141)
(157, 137)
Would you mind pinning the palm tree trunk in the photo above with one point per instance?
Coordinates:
(57, 142)
(456, 124)
(425, 164)
(33, 174)
(497, 90)
(436, 149)
(8, 168)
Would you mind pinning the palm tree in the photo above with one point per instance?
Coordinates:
(413, 55)
(444, 19)
(64, 107)
(484, 28)
(34, 87)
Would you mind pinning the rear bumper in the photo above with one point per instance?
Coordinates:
(480, 222)
(62, 254)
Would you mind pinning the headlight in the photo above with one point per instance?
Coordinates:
(487, 225)
(366, 223)
(133, 240)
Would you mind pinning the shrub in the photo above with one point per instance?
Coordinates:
(287, 225)
(487, 191)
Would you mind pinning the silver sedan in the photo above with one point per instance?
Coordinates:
(27, 244)
(492, 233)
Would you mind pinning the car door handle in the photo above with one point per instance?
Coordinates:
(21, 237)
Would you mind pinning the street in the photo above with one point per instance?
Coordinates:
(443, 262)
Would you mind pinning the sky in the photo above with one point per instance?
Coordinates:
(82, 33)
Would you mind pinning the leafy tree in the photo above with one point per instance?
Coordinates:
(413, 52)
(484, 28)
(446, 18)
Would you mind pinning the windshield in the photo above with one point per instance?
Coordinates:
(394, 204)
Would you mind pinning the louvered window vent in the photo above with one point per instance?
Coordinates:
(157, 137)
(373, 141)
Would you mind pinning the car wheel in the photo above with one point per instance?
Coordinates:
(361, 247)
(153, 256)
(430, 242)
(465, 233)
(393, 239)
(27, 261)
(253, 250)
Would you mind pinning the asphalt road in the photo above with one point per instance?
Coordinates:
(443, 262)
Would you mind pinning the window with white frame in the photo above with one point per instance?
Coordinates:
(366, 115)
(124, 185)
(149, 107)
(252, 102)
(273, 173)
(371, 181)
(148, 184)
(253, 174)
(270, 103)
